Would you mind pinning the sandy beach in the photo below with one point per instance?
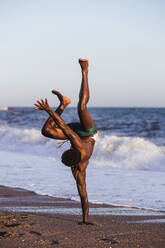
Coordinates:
(42, 228)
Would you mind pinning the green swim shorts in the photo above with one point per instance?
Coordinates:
(84, 133)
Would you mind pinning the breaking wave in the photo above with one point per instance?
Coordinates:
(110, 150)
(129, 153)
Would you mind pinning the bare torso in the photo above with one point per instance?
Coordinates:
(88, 145)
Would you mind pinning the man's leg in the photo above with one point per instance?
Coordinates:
(50, 128)
(84, 115)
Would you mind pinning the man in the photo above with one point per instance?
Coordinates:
(81, 135)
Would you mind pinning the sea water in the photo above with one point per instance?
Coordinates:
(127, 167)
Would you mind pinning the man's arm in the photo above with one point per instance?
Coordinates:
(71, 135)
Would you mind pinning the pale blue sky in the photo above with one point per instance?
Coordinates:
(41, 41)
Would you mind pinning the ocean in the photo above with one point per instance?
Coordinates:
(127, 167)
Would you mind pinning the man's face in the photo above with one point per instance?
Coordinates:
(71, 157)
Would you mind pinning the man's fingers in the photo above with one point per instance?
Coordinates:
(46, 101)
(38, 108)
(39, 102)
(42, 101)
(37, 105)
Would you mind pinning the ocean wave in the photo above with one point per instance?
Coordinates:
(110, 150)
(129, 153)
(25, 140)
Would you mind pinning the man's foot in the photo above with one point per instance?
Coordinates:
(84, 64)
(65, 101)
(86, 223)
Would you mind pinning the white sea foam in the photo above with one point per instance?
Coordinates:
(128, 153)
(19, 135)
(42, 172)
(28, 140)
(110, 150)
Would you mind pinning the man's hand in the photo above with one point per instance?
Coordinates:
(41, 105)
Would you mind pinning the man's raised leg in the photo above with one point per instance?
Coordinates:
(84, 115)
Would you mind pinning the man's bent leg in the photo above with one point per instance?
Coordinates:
(50, 127)
(84, 115)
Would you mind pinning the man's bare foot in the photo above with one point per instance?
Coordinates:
(65, 101)
(84, 64)
(87, 223)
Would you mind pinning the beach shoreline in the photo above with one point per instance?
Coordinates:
(52, 229)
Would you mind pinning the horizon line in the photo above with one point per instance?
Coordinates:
(28, 106)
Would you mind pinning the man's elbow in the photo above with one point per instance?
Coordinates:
(44, 132)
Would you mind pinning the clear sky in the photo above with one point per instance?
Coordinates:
(41, 41)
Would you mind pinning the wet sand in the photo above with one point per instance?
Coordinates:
(31, 220)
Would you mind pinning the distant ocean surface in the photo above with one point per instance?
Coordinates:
(127, 167)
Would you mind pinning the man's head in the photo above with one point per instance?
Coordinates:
(71, 157)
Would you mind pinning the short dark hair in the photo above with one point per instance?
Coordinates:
(71, 157)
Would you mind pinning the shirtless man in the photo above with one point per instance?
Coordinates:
(81, 135)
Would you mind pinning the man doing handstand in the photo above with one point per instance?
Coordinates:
(81, 135)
